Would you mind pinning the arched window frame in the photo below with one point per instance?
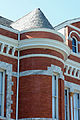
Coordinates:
(76, 44)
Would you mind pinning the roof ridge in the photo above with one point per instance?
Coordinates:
(34, 19)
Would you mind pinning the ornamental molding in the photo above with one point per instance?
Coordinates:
(50, 71)
(8, 69)
(45, 43)
(73, 31)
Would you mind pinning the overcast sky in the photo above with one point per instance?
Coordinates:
(56, 11)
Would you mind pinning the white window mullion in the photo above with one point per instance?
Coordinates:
(3, 91)
(66, 104)
(53, 100)
(54, 97)
(57, 96)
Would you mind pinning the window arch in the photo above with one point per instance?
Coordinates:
(74, 45)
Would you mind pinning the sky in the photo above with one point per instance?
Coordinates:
(57, 11)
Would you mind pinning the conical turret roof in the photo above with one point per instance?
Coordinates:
(34, 19)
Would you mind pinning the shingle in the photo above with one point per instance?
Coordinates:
(5, 22)
(34, 19)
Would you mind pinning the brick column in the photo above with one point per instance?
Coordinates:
(61, 99)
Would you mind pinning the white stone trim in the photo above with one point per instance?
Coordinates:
(50, 70)
(3, 93)
(45, 43)
(8, 68)
(14, 74)
(42, 55)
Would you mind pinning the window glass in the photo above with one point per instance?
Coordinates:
(74, 45)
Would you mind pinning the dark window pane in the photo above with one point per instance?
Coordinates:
(74, 49)
(73, 42)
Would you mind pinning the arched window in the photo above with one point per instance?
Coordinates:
(74, 45)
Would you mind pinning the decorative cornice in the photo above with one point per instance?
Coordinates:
(45, 43)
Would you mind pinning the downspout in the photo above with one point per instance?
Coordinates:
(17, 80)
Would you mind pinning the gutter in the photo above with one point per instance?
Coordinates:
(17, 80)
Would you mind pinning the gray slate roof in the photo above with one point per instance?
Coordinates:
(5, 22)
(34, 19)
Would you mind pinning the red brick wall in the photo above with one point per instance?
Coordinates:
(40, 34)
(61, 102)
(41, 51)
(35, 96)
(10, 61)
(8, 34)
(71, 79)
(74, 58)
(38, 63)
(76, 24)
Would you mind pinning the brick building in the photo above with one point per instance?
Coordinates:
(39, 69)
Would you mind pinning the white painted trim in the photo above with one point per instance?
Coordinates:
(73, 31)
(9, 55)
(67, 101)
(66, 23)
(45, 43)
(71, 107)
(76, 28)
(3, 93)
(72, 86)
(9, 41)
(42, 55)
(44, 30)
(53, 96)
(9, 29)
(18, 65)
(70, 62)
